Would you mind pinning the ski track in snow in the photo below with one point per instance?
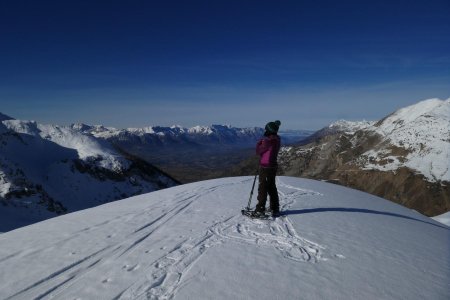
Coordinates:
(62, 279)
(161, 278)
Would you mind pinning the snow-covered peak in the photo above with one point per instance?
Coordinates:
(200, 130)
(177, 127)
(22, 126)
(349, 127)
(81, 127)
(96, 130)
(416, 115)
(423, 131)
(92, 128)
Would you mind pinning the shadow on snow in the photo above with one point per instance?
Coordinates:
(355, 210)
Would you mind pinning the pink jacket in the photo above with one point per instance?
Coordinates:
(268, 149)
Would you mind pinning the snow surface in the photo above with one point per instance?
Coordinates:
(191, 242)
(423, 130)
(444, 218)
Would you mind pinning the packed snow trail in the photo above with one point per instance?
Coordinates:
(192, 242)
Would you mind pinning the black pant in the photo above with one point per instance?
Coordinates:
(267, 186)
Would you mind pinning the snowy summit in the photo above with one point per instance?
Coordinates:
(191, 242)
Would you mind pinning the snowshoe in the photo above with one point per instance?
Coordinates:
(255, 214)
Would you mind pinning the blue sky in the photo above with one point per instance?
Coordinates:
(139, 63)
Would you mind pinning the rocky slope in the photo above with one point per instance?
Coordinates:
(403, 157)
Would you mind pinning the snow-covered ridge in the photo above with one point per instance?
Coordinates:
(423, 131)
(173, 131)
(171, 138)
(431, 108)
(68, 137)
(338, 127)
(350, 127)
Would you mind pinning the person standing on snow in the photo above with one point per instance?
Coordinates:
(268, 148)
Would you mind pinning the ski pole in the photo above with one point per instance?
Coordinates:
(253, 187)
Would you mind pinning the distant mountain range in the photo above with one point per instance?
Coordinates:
(168, 137)
(198, 137)
(189, 154)
(405, 157)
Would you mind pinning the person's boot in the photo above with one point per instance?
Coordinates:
(276, 214)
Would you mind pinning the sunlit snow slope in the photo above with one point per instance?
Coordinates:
(423, 131)
(191, 242)
(444, 218)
